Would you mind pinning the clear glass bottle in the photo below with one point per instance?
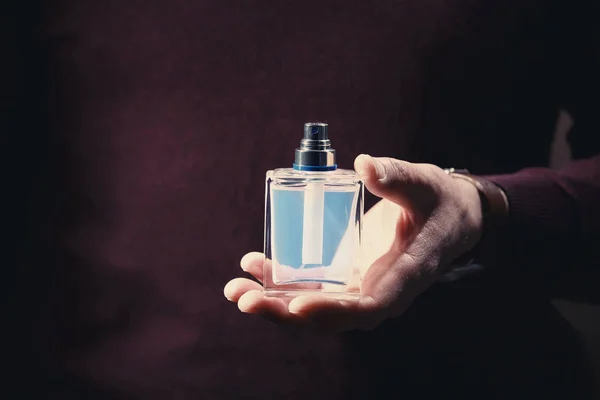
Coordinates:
(313, 223)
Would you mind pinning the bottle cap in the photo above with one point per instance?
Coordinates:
(315, 152)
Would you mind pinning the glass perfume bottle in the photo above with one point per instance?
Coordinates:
(313, 223)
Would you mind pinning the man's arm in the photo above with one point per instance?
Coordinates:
(551, 239)
(553, 221)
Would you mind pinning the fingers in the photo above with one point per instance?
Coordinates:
(249, 296)
(384, 171)
(254, 264)
(307, 305)
(391, 282)
(401, 182)
(394, 281)
(250, 299)
(273, 309)
(409, 267)
(238, 287)
(329, 315)
(386, 293)
(366, 168)
(260, 267)
(254, 302)
(388, 289)
(332, 316)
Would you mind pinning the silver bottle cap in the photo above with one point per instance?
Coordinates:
(315, 152)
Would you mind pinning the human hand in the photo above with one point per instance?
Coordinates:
(437, 219)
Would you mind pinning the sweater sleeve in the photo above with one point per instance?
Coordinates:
(554, 220)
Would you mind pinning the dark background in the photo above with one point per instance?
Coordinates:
(136, 136)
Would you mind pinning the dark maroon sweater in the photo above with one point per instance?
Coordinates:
(137, 138)
(554, 225)
(558, 210)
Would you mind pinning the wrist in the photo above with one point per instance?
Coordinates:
(474, 220)
(490, 214)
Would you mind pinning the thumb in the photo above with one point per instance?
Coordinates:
(404, 183)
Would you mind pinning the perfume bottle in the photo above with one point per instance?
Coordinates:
(313, 223)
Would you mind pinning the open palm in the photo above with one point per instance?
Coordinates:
(425, 220)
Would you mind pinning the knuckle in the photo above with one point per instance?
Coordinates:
(395, 169)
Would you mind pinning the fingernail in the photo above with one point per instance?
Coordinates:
(361, 159)
(245, 308)
(295, 306)
(294, 310)
(379, 169)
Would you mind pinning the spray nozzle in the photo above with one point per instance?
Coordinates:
(315, 131)
(315, 152)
